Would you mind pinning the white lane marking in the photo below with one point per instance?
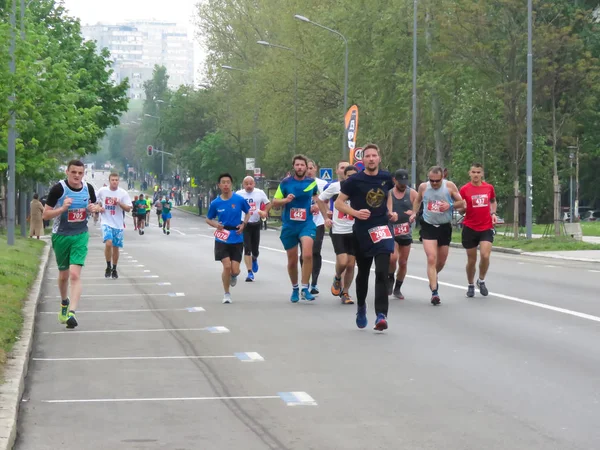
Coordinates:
(111, 283)
(180, 232)
(549, 266)
(594, 271)
(249, 357)
(95, 266)
(168, 294)
(108, 311)
(135, 358)
(194, 228)
(120, 277)
(153, 330)
(163, 399)
(147, 271)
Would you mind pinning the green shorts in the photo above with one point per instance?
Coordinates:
(70, 250)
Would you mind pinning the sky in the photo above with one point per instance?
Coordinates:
(115, 11)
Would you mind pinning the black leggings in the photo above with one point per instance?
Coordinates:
(252, 239)
(317, 258)
(382, 263)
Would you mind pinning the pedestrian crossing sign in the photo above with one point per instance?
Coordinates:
(326, 174)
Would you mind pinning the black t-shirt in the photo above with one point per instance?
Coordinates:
(369, 192)
(57, 191)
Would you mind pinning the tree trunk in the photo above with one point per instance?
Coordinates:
(516, 209)
(435, 99)
(555, 180)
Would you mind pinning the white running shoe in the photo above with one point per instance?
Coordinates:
(233, 281)
(227, 299)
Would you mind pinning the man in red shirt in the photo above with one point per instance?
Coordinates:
(478, 226)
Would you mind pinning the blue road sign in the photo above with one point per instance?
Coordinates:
(326, 174)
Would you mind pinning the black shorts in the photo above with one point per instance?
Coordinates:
(343, 244)
(441, 233)
(403, 242)
(231, 251)
(472, 238)
(141, 216)
(252, 239)
(159, 213)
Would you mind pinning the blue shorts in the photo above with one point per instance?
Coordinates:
(291, 233)
(112, 234)
(166, 216)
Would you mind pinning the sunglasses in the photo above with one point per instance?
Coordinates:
(435, 181)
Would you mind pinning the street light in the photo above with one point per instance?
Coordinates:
(306, 19)
(162, 156)
(529, 145)
(268, 44)
(575, 205)
(414, 100)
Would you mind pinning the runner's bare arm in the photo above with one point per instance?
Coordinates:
(51, 213)
(280, 200)
(125, 207)
(390, 207)
(459, 204)
(418, 200)
(214, 223)
(321, 205)
(342, 206)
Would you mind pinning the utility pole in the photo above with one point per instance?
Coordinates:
(12, 135)
(529, 157)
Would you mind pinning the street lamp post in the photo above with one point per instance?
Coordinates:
(12, 136)
(414, 100)
(306, 19)
(575, 208)
(268, 44)
(529, 150)
(571, 211)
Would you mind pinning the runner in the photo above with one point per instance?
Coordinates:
(227, 209)
(403, 199)
(342, 238)
(113, 202)
(166, 206)
(436, 223)
(319, 220)
(296, 193)
(68, 203)
(478, 226)
(158, 205)
(148, 209)
(259, 208)
(368, 192)
(134, 213)
(140, 208)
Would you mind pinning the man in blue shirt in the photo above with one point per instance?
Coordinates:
(296, 193)
(224, 214)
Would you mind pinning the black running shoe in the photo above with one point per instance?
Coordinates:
(72, 320)
(114, 274)
(107, 272)
(435, 300)
(482, 289)
(471, 291)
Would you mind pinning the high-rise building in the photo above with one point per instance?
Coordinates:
(136, 47)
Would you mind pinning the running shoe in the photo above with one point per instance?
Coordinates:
(254, 265)
(107, 272)
(470, 291)
(435, 299)
(295, 295)
(361, 317)
(346, 300)
(63, 315)
(336, 286)
(381, 322)
(164, 231)
(227, 299)
(307, 295)
(71, 320)
(396, 293)
(390, 286)
(250, 277)
(168, 232)
(114, 274)
(314, 289)
(233, 280)
(140, 231)
(482, 289)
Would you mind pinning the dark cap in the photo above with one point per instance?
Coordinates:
(401, 176)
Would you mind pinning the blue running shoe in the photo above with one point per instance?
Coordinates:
(250, 277)
(254, 265)
(306, 295)
(361, 316)
(295, 295)
(381, 322)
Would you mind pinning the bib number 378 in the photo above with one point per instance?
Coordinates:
(76, 215)
(380, 233)
(222, 235)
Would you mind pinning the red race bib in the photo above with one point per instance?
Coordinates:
(222, 235)
(110, 201)
(480, 201)
(434, 206)
(76, 215)
(252, 206)
(401, 229)
(380, 233)
(343, 216)
(298, 214)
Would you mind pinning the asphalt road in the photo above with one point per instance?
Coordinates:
(159, 363)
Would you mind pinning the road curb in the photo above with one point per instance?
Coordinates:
(18, 363)
(567, 258)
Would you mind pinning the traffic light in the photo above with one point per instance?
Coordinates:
(150, 150)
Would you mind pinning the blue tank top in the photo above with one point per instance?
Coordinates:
(431, 200)
(74, 221)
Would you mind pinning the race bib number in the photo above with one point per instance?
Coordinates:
(110, 201)
(434, 206)
(298, 214)
(76, 215)
(480, 201)
(342, 216)
(401, 229)
(252, 206)
(380, 233)
(222, 235)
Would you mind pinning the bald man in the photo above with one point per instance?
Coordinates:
(259, 208)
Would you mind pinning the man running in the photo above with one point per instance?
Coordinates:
(478, 226)
(259, 208)
(342, 238)
(368, 195)
(436, 224)
(113, 202)
(402, 198)
(227, 209)
(69, 202)
(134, 212)
(158, 205)
(148, 209)
(167, 207)
(296, 193)
(319, 220)
(140, 208)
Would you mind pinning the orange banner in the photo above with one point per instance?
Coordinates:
(351, 122)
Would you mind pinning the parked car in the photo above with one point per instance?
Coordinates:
(591, 216)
